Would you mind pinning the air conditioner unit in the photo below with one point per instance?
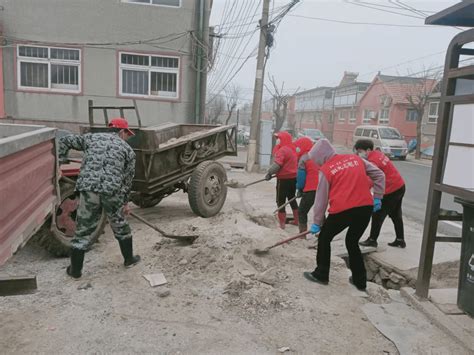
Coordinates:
(372, 115)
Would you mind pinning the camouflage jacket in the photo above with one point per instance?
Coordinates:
(108, 165)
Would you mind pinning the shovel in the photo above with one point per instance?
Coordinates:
(284, 205)
(238, 185)
(183, 238)
(284, 241)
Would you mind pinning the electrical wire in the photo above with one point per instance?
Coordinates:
(360, 23)
(228, 66)
(382, 10)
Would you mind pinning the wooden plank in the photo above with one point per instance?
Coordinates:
(461, 72)
(456, 191)
(449, 239)
(17, 285)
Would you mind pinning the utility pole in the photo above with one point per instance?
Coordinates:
(258, 89)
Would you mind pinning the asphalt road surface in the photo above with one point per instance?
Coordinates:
(417, 178)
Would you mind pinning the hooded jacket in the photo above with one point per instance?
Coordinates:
(285, 157)
(307, 177)
(343, 181)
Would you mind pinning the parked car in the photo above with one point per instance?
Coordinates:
(314, 134)
(386, 139)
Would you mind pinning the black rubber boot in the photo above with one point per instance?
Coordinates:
(312, 277)
(126, 247)
(77, 260)
(369, 243)
(398, 243)
(360, 288)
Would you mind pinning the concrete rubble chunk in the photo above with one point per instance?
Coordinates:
(393, 285)
(384, 274)
(396, 278)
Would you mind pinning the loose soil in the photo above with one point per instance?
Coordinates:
(220, 297)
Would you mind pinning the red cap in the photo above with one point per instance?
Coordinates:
(120, 122)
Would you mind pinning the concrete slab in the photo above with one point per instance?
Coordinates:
(459, 327)
(408, 258)
(443, 295)
(409, 330)
(446, 300)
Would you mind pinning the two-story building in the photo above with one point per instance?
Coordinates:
(430, 121)
(313, 109)
(385, 103)
(346, 103)
(110, 51)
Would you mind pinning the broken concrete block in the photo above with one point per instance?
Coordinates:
(396, 278)
(384, 274)
(183, 262)
(372, 265)
(370, 275)
(392, 285)
(157, 279)
(378, 279)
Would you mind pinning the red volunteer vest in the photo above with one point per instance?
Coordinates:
(348, 185)
(393, 179)
(312, 176)
(288, 161)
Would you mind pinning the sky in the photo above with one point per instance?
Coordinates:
(308, 53)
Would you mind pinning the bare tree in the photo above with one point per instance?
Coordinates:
(215, 108)
(417, 96)
(280, 103)
(232, 100)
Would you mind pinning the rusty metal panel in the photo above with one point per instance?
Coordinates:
(27, 187)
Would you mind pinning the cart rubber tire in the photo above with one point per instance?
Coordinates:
(57, 242)
(145, 201)
(207, 189)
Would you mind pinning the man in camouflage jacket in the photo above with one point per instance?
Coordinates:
(105, 180)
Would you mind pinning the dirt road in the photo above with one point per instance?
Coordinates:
(220, 297)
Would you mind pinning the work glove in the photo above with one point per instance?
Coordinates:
(299, 194)
(268, 177)
(315, 229)
(377, 204)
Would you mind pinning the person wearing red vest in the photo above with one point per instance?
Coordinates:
(392, 199)
(343, 184)
(284, 166)
(306, 180)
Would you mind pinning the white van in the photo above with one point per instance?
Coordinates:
(386, 139)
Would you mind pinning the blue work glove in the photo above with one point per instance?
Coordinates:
(377, 204)
(315, 229)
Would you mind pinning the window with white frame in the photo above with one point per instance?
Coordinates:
(412, 115)
(342, 116)
(383, 116)
(368, 114)
(352, 116)
(49, 68)
(433, 112)
(171, 3)
(152, 76)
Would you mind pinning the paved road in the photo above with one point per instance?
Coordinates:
(417, 177)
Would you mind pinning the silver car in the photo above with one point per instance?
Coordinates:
(386, 139)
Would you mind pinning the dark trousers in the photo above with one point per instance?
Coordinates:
(306, 202)
(286, 190)
(357, 219)
(391, 206)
